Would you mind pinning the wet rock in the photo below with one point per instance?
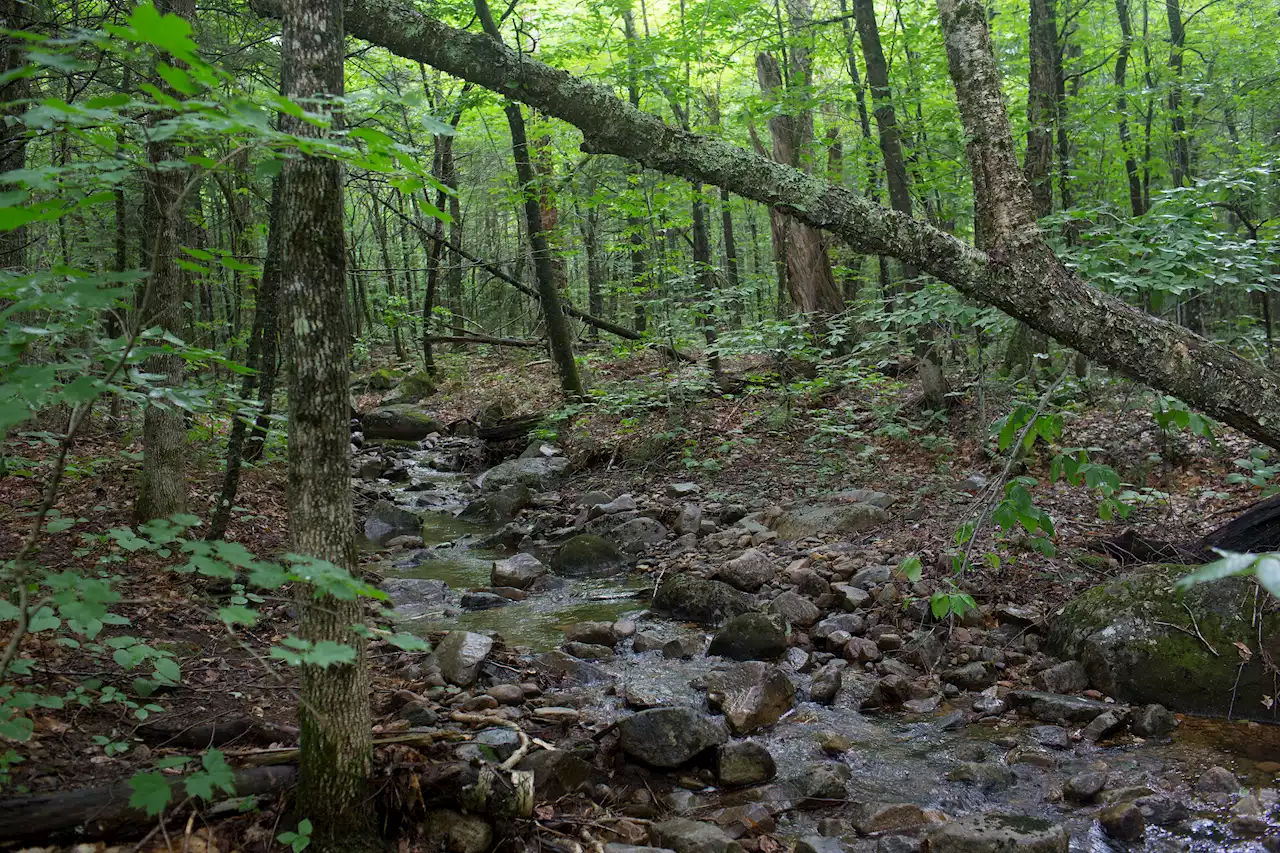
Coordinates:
(640, 534)
(861, 650)
(923, 706)
(587, 555)
(744, 762)
(752, 696)
(683, 647)
(839, 514)
(507, 694)
(385, 521)
(502, 741)
(614, 847)
(1051, 707)
(888, 817)
(560, 665)
(519, 571)
(557, 773)
(996, 834)
(647, 641)
(1084, 787)
(452, 832)
(898, 844)
(403, 422)
(689, 520)
(986, 705)
(694, 599)
(419, 713)
(825, 683)
(1217, 780)
(1104, 725)
(889, 692)
(460, 654)
(595, 633)
(972, 676)
(795, 609)
(411, 596)
(668, 737)
(593, 498)
(1066, 677)
(588, 651)
(834, 744)
(483, 601)
(748, 572)
(541, 474)
(824, 784)
(751, 636)
(987, 778)
(692, 836)
(1162, 810)
(1123, 821)
(683, 490)
(1152, 720)
(1121, 632)
(1051, 736)
(819, 844)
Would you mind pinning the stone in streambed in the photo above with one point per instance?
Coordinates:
(996, 834)
(744, 762)
(748, 571)
(751, 636)
(385, 521)
(752, 695)
(694, 599)
(692, 836)
(519, 571)
(461, 654)
(669, 737)
(403, 422)
(587, 555)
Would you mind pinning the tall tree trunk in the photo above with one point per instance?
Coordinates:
(163, 490)
(705, 274)
(1042, 103)
(932, 380)
(334, 709)
(453, 276)
(1136, 205)
(548, 294)
(591, 246)
(267, 307)
(13, 133)
(1020, 275)
(1181, 165)
(635, 223)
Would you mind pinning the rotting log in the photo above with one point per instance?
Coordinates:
(1020, 275)
(483, 339)
(104, 812)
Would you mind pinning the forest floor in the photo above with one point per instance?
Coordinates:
(649, 424)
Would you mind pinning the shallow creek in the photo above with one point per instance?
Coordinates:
(896, 758)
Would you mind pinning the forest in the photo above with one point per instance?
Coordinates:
(639, 426)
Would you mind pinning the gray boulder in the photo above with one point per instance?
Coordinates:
(386, 521)
(639, 534)
(995, 834)
(669, 737)
(752, 696)
(541, 474)
(519, 571)
(588, 555)
(689, 520)
(795, 609)
(1066, 677)
(748, 571)
(744, 762)
(414, 596)
(749, 637)
(839, 514)
(461, 654)
(697, 600)
(692, 836)
(403, 422)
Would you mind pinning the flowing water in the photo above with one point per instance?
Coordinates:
(894, 758)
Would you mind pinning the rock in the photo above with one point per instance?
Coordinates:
(871, 576)
(498, 507)
(751, 636)
(987, 778)
(668, 737)
(461, 653)
(647, 641)
(837, 515)
(748, 571)
(1154, 720)
(824, 784)
(540, 450)
(557, 773)
(850, 597)
(595, 633)
(818, 844)
(1123, 821)
(503, 741)
(888, 817)
(1217, 780)
(594, 498)
(385, 521)
(860, 650)
(413, 596)
(452, 832)
(1084, 787)
(994, 834)
(640, 534)
(1161, 810)
(614, 847)
(889, 692)
(689, 520)
(825, 683)
(587, 555)
(1066, 677)
(483, 601)
(1051, 707)
(541, 474)
(1115, 630)
(383, 379)
(588, 651)
(683, 490)
(369, 468)
(622, 503)
(519, 571)
(972, 676)
(683, 647)
(507, 694)
(693, 599)
(1055, 737)
(898, 844)
(403, 422)
(752, 696)
(744, 762)
(1104, 725)
(418, 713)
(692, 836)
(414, 387)
(795, 609)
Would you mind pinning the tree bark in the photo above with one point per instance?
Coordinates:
(267, 305)
(1122, 109)
(13, 133)
(163, 490)
(1042, 86)
(635, 224)
(1020, 276)
(336, 742)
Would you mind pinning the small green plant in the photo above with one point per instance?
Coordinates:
(949, 602)
(299, 840)
(1259, 472)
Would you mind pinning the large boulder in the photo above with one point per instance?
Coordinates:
(692, 836)
(669, 737)
(697, 600)
(415, 596)
(386, 521)
(519, 571)
(1127, 634)
(749, 571)
(498, 507)
(461, 654)
(587, 555)
(994, 834)
(751, 636)
(541, 473)
(414, 387)
(838, 514)
(640, 534)
(752, 696)
(402, 421)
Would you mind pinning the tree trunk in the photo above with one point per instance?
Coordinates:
(267, 305)
(1042, 86)
(548, 294)
(1181, 165)
(705, 274)
(1020, 275)
(591, 245)
(336, 742)
(635, 224)
(1122, 109)
(13, 133)
(163, 490)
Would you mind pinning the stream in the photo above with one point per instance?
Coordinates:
(895, 758)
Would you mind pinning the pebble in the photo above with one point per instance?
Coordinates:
(507, 694)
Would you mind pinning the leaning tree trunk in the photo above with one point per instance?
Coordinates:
(334, 708)
(544, 270)
(1020, 275)
(163, 490)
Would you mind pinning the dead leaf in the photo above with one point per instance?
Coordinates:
(1245, 652)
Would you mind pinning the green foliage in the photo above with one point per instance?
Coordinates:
(1264, 567)
(1259, 472)
(299, 840)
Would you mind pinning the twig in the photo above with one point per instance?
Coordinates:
(1196, 625)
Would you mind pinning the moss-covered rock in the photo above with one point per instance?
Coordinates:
(586, 555)
(399, 422)
(384, 379)
(414, 387)
(698, 600)
(1137, 640)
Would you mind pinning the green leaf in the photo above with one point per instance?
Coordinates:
(237, 615)
(326, 653)
(1230, 565)
(168, 671)
(912, 569)
(150, 792)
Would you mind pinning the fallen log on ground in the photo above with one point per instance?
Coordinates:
(475, 340)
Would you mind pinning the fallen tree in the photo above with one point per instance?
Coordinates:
(1020, 275)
